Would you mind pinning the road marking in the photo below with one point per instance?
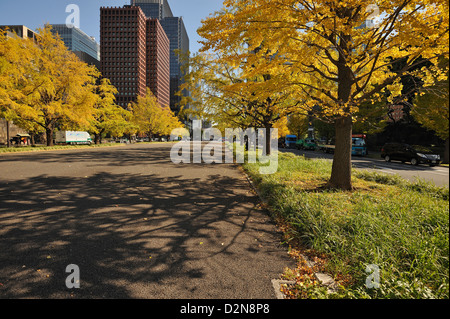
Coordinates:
(412, 171)
(406, 171)
(417, 170)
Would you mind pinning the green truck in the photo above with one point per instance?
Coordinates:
(307, 144)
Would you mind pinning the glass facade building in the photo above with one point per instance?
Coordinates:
(176, 32)
(155, 9)
(179, 40)
(77, 41)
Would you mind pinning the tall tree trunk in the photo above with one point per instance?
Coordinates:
(267, 148)
(97, 138)
(49, 134)
(341, 174)
(100, 136)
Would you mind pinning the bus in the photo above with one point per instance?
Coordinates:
(359, 145)
(291, 141)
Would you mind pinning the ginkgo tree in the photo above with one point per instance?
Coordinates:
(151, 118)
(52, 86)
(108, 117)
(334, 54)
(221, 93)
(13, 53)
(431, 109)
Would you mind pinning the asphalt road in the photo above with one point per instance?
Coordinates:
(438, 174)
(136, 225)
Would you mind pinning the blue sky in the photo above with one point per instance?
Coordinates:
(35, 13)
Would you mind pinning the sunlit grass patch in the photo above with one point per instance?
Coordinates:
(400, 226)
(51, 148)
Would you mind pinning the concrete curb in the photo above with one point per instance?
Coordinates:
(277, 287)
(325, 279)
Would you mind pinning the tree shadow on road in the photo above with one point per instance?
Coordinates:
(130, 234)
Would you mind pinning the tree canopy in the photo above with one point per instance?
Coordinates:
(329, 53)
(431, 109)
(108, 117)
(151, 118)
(52, 85)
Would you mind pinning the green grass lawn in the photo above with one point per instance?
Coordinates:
(400, 226)
(51, 148)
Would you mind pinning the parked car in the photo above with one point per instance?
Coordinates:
(142, 139)
(406, 153)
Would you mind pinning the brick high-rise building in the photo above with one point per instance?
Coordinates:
(134, 54)
(179, 41)
(158, 62)
(123, 51)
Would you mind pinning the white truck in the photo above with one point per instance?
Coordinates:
(72, 137)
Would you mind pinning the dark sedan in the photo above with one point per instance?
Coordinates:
(406, 153)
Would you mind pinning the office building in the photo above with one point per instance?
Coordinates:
(135, 54)
(123, 51)
(395, 113)
(178, 37)
(158, 62)
(20, 30)
(78, 41)
(157, 9)
(179, 42)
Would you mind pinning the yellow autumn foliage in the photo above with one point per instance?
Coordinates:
(331, 56)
